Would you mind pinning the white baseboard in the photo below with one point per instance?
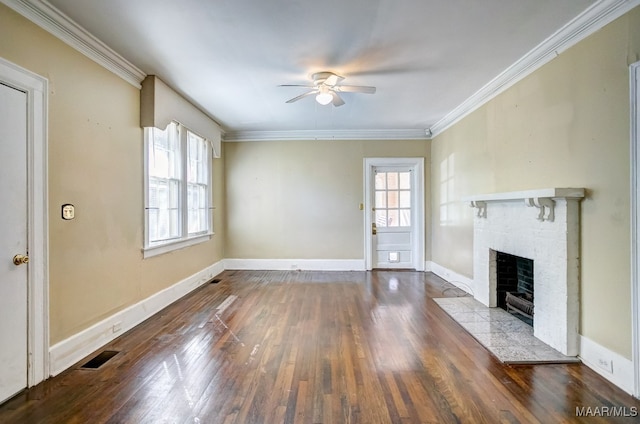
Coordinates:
(458, 280)
(66, 353)
(295, 264)
(610, 365)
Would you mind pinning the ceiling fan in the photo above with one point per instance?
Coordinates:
(325, 87)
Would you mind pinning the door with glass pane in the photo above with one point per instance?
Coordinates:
(392, 225)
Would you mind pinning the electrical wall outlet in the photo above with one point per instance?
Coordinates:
(606, 364)
(117, 327)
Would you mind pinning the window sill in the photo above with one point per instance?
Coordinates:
(149, 252)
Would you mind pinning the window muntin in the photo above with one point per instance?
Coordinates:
(178, 186)
(393, 198)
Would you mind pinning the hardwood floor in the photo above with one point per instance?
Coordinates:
(314, 347)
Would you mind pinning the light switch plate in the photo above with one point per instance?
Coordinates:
(68, 211)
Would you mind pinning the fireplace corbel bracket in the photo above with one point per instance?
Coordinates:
(546, 206)
(543, 199)
(481, 208)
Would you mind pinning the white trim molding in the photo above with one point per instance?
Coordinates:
(635, 221)
(295, 264)
(36, 88)
(69, 351)
(588, 22)
(305, 135)
(460, 281)
(46, 16)
(610, 365)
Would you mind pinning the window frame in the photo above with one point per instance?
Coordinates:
(185, 239)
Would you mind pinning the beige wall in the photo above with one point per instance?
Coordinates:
(95, 162)
(566, 125)
(299, 199)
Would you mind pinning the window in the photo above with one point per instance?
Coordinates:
(178, 189)
(393, 198)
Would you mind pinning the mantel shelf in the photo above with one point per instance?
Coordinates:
(548, 193)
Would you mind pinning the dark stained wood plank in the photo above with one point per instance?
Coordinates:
(312, 347)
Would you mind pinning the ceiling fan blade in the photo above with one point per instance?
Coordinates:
(337, 100)
(355, 89)
(297, 85)
(332, 80)
(302, 96)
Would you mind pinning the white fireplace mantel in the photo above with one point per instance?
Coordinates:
(543, 199)
(573, 193)
(505, 223)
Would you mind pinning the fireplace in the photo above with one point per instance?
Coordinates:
(541, 226)
(514, 285)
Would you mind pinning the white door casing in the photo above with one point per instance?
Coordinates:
(406, 241)
(635, 221)
(34, 88)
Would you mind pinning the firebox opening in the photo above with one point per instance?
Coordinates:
(515, 285)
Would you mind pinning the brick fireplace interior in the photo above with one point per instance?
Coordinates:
(514, 285)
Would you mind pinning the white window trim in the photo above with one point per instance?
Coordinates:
(152, 251)
(158, 248)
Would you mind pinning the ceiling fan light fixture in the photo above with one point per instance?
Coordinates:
(324, 97)
(326, 89)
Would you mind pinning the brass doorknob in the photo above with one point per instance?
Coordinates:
(20, 259)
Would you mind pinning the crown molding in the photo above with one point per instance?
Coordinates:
(46, 16)
(591, 20)
(301, 135)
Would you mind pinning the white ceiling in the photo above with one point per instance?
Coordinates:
(425, 57)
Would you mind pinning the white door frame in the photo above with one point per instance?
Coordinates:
(635, 221)
(35, 87)
(417, 164)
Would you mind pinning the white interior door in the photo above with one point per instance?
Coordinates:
(13, 241)
(393, 199)
(394, 220)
